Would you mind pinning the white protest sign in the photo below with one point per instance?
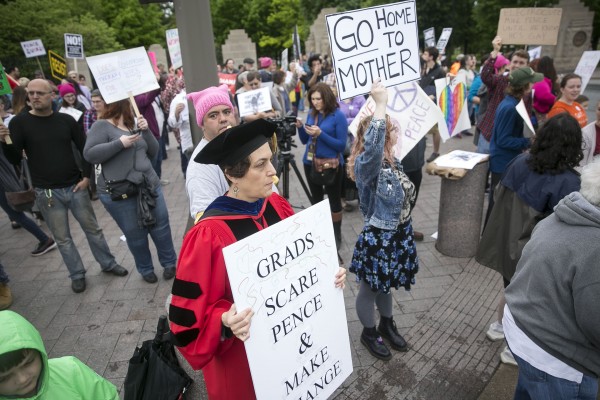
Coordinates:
(174, 48)
(586, 66)
(452, 101)
(460, 159)
(443, 40)
(121, 72)
(376, 42)
(429, 37)
(523, 113)
(535, 52)
(254, 101)
(299, 346)
(73, 45)
(72, 111)
(33, 48)
(284, 60)
(415, 111)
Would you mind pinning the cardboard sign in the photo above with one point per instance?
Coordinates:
(413, 109)
(4, 85)
(529, 25)
(33, 48)
(586, 66)
(254, 101)
(58, 65)
(229, 80)
(122, 72)
(452, 101)
(522, 111)
(299, 346)
(443, 40)
(376, 42)
(73, 45)
(429, 37)
(174, 48)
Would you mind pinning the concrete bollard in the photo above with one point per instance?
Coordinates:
(461, 209)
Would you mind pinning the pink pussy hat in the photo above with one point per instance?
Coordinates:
(501, 61)
(65, 89)
(265, 62)
(208, 98)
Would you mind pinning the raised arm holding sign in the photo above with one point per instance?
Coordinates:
(376, 42)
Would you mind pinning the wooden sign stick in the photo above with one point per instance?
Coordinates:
(134, 105)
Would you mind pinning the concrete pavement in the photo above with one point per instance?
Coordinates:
(443, 317)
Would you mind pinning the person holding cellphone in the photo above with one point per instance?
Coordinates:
(127, 153)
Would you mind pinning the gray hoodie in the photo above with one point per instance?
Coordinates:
(554, 295)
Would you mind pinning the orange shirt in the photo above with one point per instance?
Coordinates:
(574, 109)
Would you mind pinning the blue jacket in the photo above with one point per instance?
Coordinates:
(473, 92)
(380, 190)
(332, 141)
(507, 137)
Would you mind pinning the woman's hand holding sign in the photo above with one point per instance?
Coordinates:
(239, 323)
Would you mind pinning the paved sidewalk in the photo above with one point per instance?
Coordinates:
(443, 317)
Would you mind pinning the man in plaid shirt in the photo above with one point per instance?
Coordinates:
(497, 85)
(90, 116)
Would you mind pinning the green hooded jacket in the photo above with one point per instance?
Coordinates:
(64, 378)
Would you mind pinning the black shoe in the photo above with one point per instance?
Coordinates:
(78, 285)
(374, 343)
(433, 156)
(169, 273)
(117, 270)
(387, 329)
(15, 225)
(418, 236)
(44, 247)
(150, 278)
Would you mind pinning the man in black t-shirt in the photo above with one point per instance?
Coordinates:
(53, 143)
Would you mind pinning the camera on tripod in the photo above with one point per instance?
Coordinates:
(286, 129)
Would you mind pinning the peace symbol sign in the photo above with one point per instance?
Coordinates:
(403, 96)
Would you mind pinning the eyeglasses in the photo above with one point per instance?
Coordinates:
(34, 93)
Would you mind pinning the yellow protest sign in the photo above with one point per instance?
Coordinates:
(58, 65)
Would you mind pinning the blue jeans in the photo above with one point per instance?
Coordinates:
(22, 219)
(483, 146)
(56, 216)
(124, 212)
(535, 384)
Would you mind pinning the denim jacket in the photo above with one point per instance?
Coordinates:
(380, 190)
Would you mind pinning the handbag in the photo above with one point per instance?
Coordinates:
(121, 189)
(324, 170)
(24, 199)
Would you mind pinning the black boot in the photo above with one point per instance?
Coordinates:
(374, 343)
(387, 329)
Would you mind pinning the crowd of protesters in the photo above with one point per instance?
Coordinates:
(532, 174)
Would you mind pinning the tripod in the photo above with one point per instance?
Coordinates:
(285, 158)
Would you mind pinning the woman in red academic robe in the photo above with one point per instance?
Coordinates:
(207, 327)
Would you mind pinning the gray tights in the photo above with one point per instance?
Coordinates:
(365, 301)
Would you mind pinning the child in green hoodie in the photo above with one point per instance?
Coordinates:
(27, 373)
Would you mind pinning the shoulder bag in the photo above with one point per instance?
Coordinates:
(22, 200)
(121, 189)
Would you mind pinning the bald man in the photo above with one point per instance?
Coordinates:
(48, 138)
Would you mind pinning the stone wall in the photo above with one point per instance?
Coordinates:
(318, 41)
(238, 46)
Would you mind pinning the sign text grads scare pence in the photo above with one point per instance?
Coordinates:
(374, 42)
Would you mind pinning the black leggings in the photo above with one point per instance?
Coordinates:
(334, 191)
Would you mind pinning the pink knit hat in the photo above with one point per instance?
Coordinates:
(265, 62)
(208, 98)
(65, 89)
(501, 61)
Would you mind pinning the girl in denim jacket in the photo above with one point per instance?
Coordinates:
(385, 255)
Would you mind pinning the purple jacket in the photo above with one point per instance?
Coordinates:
(144, 103)
(350, 110)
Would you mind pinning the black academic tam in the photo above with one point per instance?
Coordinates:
(236, 143)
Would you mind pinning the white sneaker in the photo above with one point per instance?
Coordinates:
(507, 357)
(495, 332)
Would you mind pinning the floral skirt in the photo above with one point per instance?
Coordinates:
(386, 258)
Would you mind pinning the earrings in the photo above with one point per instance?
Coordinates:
(236, 190)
